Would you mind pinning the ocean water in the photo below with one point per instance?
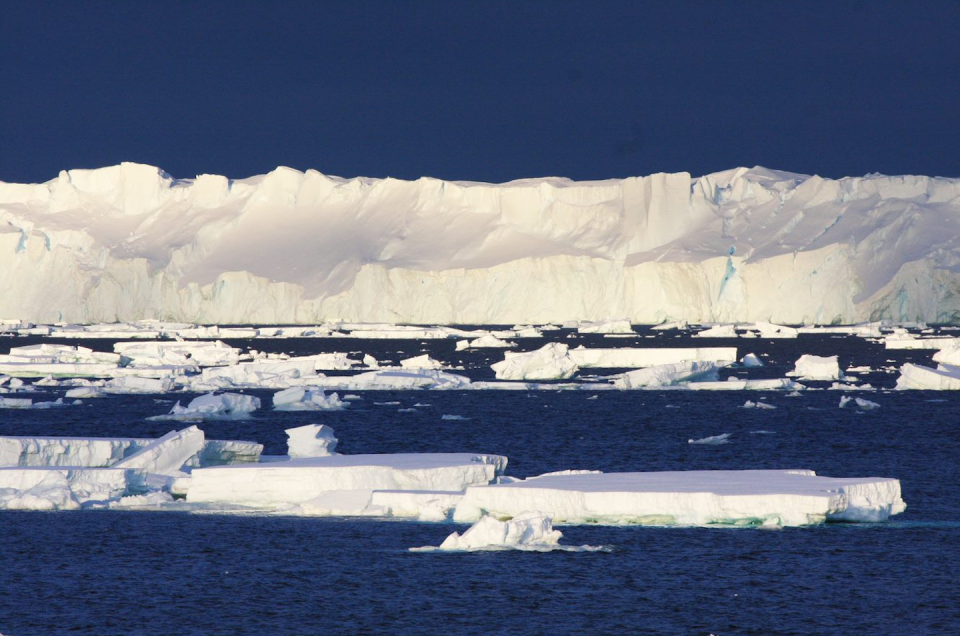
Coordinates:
(110, 572)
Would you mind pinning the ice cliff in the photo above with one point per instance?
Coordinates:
(130, 242)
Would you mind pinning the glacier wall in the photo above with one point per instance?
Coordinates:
(130, 242)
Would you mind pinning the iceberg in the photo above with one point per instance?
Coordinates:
(526, 531)
(743, 245)
(627, 358)
(810, 367)
(64, 488)
(312, 440)
(420, 362)
(550, 362)
(914, 376)
(213, 406)
(276, 484)
(302, 399)
(726, 497)
(713, 440)
(669, 374)
(167, 455)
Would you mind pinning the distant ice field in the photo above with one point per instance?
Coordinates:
(158, 573)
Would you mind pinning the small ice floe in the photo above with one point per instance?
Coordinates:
(85, 392)
(860, 403)
(762, 432)
(391, 403)
(453, 418)
(421, 362)
(409, 410)
(212, 406)
(713, 440)
(350, 397)
(302, 399)
(718, 331)
(530, 531)
(24, 403)
(421, 405)
(749, 404)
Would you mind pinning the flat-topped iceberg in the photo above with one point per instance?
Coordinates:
(669, 375)
(276, 484)
(914, 376)
(745, 497)
(299, 398)
(312, 440)
(629, 358)
(810, 367)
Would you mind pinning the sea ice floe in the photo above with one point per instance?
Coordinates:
(861, 404)
(627, 358)
(810, 367)
(550, 362)
(420, 362)
(298, 480)
(747, 497)
(914, 376)
(713, 440)
(213, 406)
(749, 404)
(669, 374)
(621, 326)
(299, 398)
(526, 531)
(718, 331)
(751, 360)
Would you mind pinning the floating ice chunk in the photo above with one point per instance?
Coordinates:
(750, 360)
(150, 500)
(370, 361)
(718, 331)
(488, 341)
(261, 373)
(396, 380)
(606, 326)
(648, 357)
(312, 440)
(810, 367)
(85, 392)
(462, 345)
(135, 384)
(525, 531)
(669, 374)
(298, 480)
(340, 503)
(757, 405)
(15, 403)
(453, 418)
(679, 324)
(863, 405)
(713, 440)
(420, 362)
(203, 354)
(944, 378)
(768, 330)
(906, 341)
(550, 362)
(167, 455)
(747, 497)
(213, 406)
(303, 399)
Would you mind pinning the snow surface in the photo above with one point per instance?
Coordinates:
(748, 497)
(129, 242)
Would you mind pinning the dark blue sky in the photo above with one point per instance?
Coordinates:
(486, 91)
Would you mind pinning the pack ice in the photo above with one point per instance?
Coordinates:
(129, 242)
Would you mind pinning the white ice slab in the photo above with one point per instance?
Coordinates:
(526, 531)
(299, 398)
(747, 497)
(299, 480)
(213, 406)
(648, 357)
(64, 488)
(312, 440)
(550, 362)
(810, 367)
(914, 376)
(669, 374)
(395, 380)
(167, 455)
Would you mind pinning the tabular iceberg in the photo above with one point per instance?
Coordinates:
(129, 242)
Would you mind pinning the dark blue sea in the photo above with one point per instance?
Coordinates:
(111, 572)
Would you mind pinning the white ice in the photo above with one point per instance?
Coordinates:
(303, 399)
(213, 406)
(669, 374)
(628, 358)
(550, 362)
(810, 367)
(312, 440)
(748, 497)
